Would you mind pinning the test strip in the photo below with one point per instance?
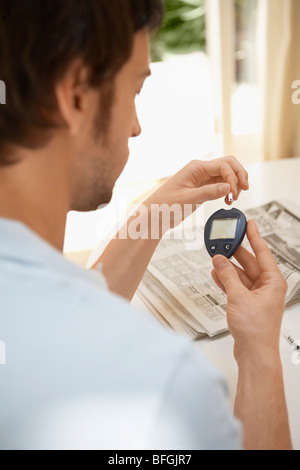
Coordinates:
(230, 197)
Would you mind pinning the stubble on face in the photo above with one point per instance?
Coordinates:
(93, 185)
(111, 122)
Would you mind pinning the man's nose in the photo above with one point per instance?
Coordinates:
(137, 130)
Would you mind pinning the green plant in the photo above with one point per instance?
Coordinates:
(183, 30)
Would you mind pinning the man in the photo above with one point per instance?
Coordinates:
(84, 369)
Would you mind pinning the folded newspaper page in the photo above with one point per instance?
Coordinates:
(178, 287)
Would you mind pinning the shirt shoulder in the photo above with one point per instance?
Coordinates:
(99, 373)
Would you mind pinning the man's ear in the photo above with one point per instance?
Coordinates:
(70, 93)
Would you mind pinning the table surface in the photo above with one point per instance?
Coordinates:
(278, 180)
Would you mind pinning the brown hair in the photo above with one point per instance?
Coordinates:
(38, 41)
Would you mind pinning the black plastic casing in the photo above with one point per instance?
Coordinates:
(224, 246)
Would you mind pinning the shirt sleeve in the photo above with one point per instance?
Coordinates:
(195, 414)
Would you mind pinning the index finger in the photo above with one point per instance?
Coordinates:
(232, 171)
(249, 262)
(264, 256)
(240, 172)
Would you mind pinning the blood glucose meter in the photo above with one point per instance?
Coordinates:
(224, 232)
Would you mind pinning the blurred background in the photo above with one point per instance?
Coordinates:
(221, 84)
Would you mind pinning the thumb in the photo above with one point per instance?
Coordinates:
(227, 274)
(211, 192)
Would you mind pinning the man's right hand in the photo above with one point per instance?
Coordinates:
(256, 297)
(256, 301)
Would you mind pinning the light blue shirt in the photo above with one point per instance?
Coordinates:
(85, 370)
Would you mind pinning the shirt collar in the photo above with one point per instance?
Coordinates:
(19, 244)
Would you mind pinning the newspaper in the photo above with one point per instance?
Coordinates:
(178, 287)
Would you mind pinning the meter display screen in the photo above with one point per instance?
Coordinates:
(223, 229)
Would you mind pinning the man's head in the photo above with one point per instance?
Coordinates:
(72, 70)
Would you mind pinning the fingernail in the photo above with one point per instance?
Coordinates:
(224, 188)
(219, 262)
